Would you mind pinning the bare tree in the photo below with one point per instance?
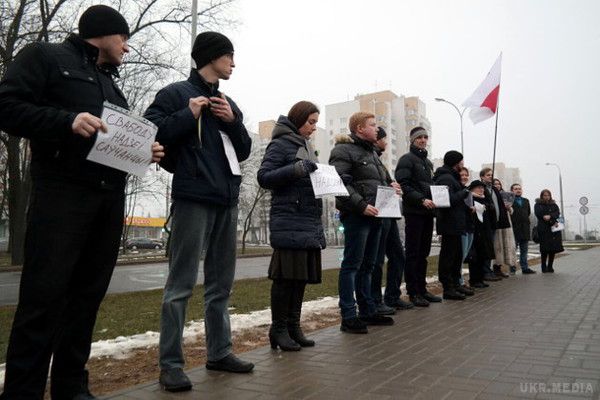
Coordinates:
(152, 61)
(253, 198)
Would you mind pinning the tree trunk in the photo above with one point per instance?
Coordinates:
(19, 183)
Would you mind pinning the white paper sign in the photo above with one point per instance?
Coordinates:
(234, 165)
(326, 182)
(127, 146)
(558, 227)
(440, 196)
(387, 202)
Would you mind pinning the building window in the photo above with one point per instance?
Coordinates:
(343, 130)
(330, 122)
(343, 120)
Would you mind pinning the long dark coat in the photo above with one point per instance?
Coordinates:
(520, 220)
(550, 242)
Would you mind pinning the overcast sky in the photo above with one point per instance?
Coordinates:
(329, 51)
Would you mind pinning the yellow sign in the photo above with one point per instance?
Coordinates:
(143, 221)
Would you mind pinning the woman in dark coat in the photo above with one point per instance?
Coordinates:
(295, 222)
(547, 213)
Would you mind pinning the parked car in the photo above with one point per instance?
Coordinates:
(143, 243)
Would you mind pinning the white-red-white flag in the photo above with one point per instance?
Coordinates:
(484, 100)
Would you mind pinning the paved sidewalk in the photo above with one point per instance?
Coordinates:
(519, 338)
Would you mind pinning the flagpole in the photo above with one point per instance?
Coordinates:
(495, 137)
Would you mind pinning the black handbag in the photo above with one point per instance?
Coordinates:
(535, 235)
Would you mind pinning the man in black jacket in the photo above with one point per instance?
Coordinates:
(451, 224)
(521, 226)
(414, 174)
(52, 94)
(204, 131)
(355, 156)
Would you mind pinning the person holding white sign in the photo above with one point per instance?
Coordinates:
(414, 173)
(53, 94)
(451, 224)
(547, 213)
(193, 118)
(354, 157)
(296, 231)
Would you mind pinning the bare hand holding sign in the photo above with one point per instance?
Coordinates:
(127, 143)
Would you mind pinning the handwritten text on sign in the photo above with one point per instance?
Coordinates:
(326, 182)
(387, 202)
(127, 146)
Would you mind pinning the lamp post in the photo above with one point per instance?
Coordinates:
(194, 27)
(460, 114)
(562, 206)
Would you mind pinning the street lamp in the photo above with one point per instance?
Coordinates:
(460, 114)
(562, 206)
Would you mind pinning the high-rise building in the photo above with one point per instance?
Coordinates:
(396, 114)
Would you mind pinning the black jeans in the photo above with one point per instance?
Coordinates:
(71, 247)
(450, 261)
(419, 230)
(476, 270)
(390, 246)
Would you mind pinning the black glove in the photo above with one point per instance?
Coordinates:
(346, 178)
(304, 167)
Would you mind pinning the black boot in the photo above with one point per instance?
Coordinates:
(293, 321)
(280, 302)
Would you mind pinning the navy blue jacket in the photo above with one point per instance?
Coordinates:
(295, 218)
(202, 172)
(452, 220)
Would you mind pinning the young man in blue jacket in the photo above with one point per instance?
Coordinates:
(197, 124)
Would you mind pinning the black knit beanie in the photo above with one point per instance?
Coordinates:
(102, 20)
(452, 158)
(381, 133)
(209, 46)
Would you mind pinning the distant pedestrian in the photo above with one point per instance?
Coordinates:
(547, 213)
(521, 226)
(296, 231)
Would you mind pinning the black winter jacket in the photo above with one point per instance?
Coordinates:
(483, 242)
(414, 173)
(42, 92)
(501, 220)
(202, 171)
(295, 217)
(550, 242)
(357, 158)
(520, 220)
(452, 220)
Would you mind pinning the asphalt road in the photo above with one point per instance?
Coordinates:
(134, 278)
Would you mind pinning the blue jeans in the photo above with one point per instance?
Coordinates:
(361, 243)
(390, 244)
(523, 246)
(195, 227)
(467, 242)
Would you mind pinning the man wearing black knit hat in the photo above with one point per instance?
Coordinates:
(205, 137)
(451, 224)
(414, 173)
(53, 94)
